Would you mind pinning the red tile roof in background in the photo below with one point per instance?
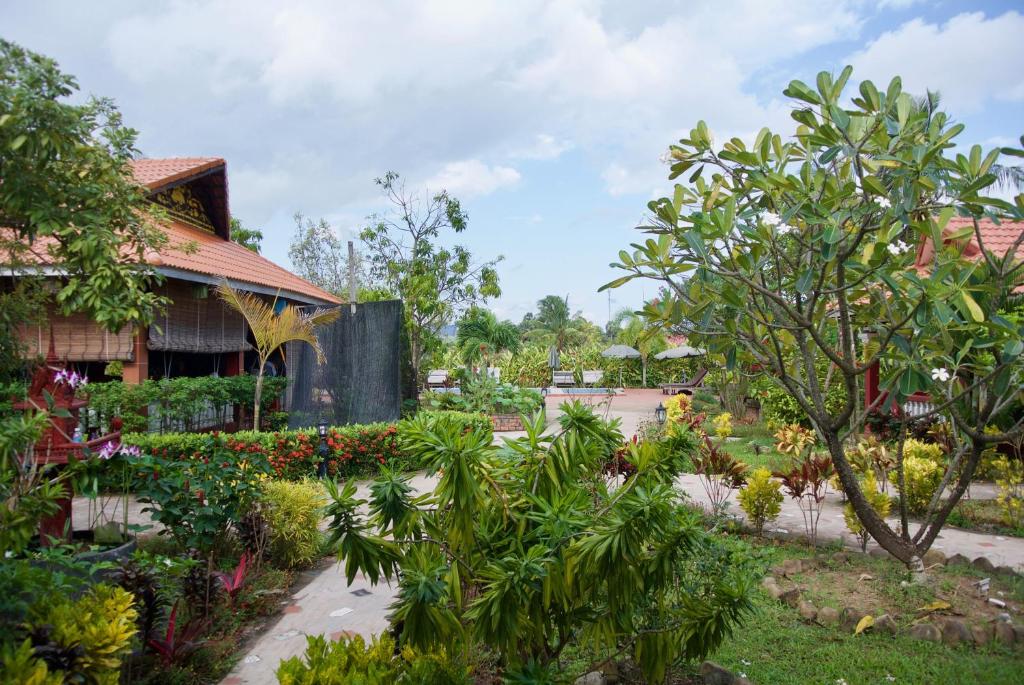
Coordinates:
(156, 173)
(997, 238)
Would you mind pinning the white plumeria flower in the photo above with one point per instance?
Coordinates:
(784, 229)
(890, 677)
(897, 248)
(744, 662)
(884, 203)
(771, 219)
(742, 674)
(940, 374)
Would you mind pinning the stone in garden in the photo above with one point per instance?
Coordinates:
(997, 602)
(885, 624)
(955, 632)
(925, 631)
(807, 610)
(982, 634)
(983, 564)
(592, 678)
(934, 557)
(878, 553)
(1004, 633)
(790, 598)
(850, 617)
(771, 587)
(828, 616)
(841, 557)
(791, 567)
(713, 674)
(1008, 571)
(958, 560)
(1018, 631)
(611, 673)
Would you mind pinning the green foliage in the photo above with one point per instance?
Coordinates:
(928, 451)
(761, 499)
(249, 238)
(318, 255)
(779, 408)
(68, 180)
(1010, 481)
(526, 550)
(480, 336)
(176, 403)
(921, 478)
(485, 395)
(878, 501)
(27, 493)
(781, 254)
(351, 661)
(291, 454)
(198, 499)
(88, 637)
(293, 512)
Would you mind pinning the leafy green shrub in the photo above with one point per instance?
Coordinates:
(930, 451)
(921, 478)
(779, 408)
(199, 498)
(761, 499)
(487, 396)
(175, 402)
(878, 501)
(1010, 481)
(87, 638)
(466, 420)
(353, 450)
(293, 512)
(353, 661)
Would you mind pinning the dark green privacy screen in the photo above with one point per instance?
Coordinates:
(360, 379)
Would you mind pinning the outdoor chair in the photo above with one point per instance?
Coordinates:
(438, 378)
(592, 377)
(686, 387)
(563, 379)
(494, 372)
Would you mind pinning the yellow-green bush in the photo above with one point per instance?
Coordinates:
(761, 499)
(921, 478)
(917, 449)
(879, 501)
(1010, 479)
(723, 425)
(100, 626)
(293, 511)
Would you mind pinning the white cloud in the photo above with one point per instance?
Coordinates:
(543, 146)
(472, 177)
(970, 60)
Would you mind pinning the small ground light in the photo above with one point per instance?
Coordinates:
(321, 429)
(660, 413)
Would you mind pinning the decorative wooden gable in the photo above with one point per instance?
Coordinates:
(183, 205)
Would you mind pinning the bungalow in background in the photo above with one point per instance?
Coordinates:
(197, 335)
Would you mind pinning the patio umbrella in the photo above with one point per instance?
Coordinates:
(681, 352)
(553, 360)
(621, 352)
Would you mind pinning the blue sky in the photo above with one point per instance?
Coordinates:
(546, 118)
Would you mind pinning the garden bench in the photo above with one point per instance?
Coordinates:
(561, 379)
(438, 378)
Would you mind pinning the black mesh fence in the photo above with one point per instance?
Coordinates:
(360, 379)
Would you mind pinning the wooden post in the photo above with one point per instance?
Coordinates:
(352, 276)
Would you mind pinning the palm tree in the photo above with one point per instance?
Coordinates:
(479, 335)
(638, 333)
(271, 330)
(555, 325)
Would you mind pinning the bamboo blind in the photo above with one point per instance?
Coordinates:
(192, 324)
(76, 338)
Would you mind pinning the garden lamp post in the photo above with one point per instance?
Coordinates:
(321, 428)
(660, 414)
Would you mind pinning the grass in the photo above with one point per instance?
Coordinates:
(776, 646)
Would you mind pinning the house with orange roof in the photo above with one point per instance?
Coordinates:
(197, 334)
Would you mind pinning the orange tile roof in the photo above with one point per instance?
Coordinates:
(156, 173)
(211, 255)
(997, 238)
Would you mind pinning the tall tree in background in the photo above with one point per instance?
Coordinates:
(321, 257)
(555, 325)
(405, 256)
(480, 336)
(67, 180)
(249, 238)
(642, 335)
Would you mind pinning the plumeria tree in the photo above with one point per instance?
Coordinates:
(797, 254)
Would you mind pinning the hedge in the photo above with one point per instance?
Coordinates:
(175, 402)
(354, 450)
